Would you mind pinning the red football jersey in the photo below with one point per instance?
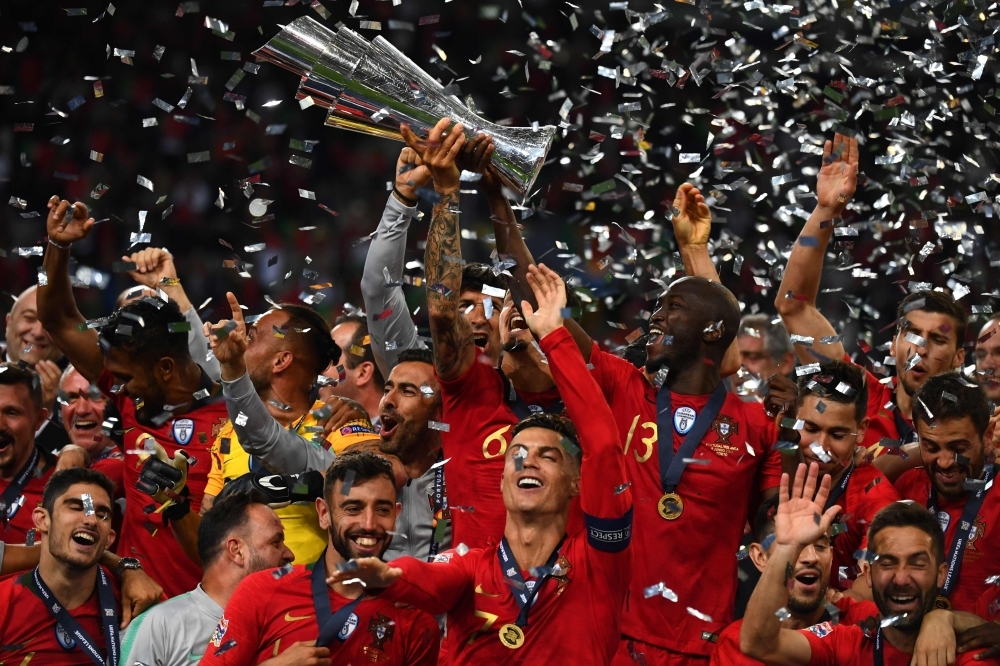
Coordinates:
(576, 615)
(727, 650)
(848, 646)
(739, 456)
(982, 552)
(481, 421)
(112, 465)
(143, 534)
(19, 519)
(881, 421)
(866, 493)
(988, 605)
(29, 633)
(267, 615)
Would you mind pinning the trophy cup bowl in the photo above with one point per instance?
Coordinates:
(372, 87)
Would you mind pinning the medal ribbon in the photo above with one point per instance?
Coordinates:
(16, 487)
(109, 618)
(440, 507)
(905, 431)
(972, 506)
(334, 623)
(512, 573)
(877, 656)
(671, 466)
(841, 487)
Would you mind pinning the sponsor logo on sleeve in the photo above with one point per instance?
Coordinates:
(220, 632)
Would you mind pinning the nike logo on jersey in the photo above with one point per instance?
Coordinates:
(291, 618)
(479, 590)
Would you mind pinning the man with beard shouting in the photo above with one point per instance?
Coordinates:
(291, 616)
(908, 568)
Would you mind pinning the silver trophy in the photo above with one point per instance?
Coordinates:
(371, 87)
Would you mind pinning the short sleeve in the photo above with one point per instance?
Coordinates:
(139, 643)
(832, 645)
(237, 636)
(911, 486)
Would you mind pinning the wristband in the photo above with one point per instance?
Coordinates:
(407, 200)
(61, 247)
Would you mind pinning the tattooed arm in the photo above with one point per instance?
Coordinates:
(454, 349)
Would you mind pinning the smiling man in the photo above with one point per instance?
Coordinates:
(23, 472)
(832, 406)
(988, 359)
(285, 617)
(955, 483)
(239, 536)
(84, 409)
(542, 596)
(65, 612)
(908, 568)
(140, 358)
(930, 325)
(807, 592)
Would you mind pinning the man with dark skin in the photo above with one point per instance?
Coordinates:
(143, 354)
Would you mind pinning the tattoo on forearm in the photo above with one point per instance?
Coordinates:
(443, 272)
(789, 570)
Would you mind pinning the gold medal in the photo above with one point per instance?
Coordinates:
(671, 506)
(511, 636)
(943, 603)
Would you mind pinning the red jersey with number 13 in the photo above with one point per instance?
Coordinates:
(735, 458)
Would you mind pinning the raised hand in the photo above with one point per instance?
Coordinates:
(550, 293)
(838, 177)
(409, 180)
(228, 340)
(151, 266)
(373, 572)
(438, 152)
(67, 223)
(139, 592)
(693, 224)
(49, 373)
(800, 518)
(476, 153)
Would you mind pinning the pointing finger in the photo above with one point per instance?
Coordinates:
(237, 310)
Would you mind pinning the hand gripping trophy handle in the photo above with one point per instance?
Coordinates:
(371, 87)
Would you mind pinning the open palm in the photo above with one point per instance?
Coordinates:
(692, 217)
(838, 177)
(801, 518)
(550, 294)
